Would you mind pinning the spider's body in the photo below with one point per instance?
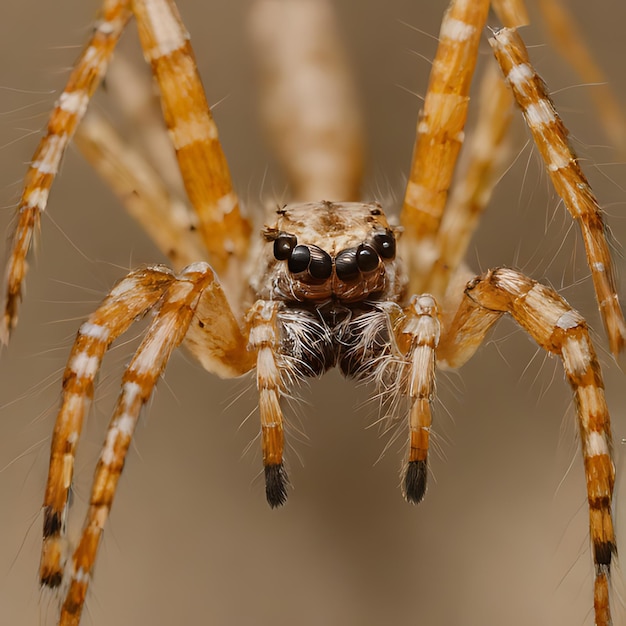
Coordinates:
(326, 286)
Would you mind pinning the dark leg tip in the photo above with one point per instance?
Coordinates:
(275, 485)
(52, 523)
(603, 552)
(52, 580)
(415, 481)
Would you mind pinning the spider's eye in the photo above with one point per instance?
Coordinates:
(321, 265)
(366, 258)
(283, 245)
(346, 264)
(299, 259)
(385, 244)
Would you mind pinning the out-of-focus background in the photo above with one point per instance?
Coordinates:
(502, 535)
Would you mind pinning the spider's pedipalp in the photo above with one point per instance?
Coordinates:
(264, 341)
(417, 336)
(559, 330)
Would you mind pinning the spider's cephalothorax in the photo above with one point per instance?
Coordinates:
(327, 288)
(333, 268)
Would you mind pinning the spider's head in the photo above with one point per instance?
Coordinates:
(320, 251)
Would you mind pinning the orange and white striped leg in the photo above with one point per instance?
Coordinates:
(551, 138)
(191, 306)
(570, 43)
(417, 337)
(202, 162)
(69, 110)
(481, 164)
(130, 299)
(440, 130)
(165, 333)
(308, 99)
(264, 342)
(559, 330)
(164, 215)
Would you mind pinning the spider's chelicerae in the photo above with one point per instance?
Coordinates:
(329, 282)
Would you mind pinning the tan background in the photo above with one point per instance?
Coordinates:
(501, 537)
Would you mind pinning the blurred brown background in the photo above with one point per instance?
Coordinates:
(501, 537)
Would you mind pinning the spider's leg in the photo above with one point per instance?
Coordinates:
(481, 163)
(511, 12)
(417, 337)
(69, 110)
(130, 299)
(161, 212)
(308, 100)
(551, 138)
(177, 311)
(202, 162)
(570, 43)
(559, 330)
(440, 131)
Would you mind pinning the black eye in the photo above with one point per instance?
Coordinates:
(346, 264)
(366, 258)
(321, 265)
(299, 259)
(283, 245)
(385, 244)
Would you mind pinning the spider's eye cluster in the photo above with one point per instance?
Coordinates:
(348, 263)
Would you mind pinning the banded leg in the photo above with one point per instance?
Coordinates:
(157, 207)
(418, 337)
(264, 341)
(177, 311)
(559, 330)
(130, 299)
(202, 162)
(67, 114)
(308, 98)
(440, 131)
(551, 138)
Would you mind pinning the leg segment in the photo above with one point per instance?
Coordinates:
(265, 342)
(419, 333)
(67, 114)
(560, 330)
(159, 210)
(440, 129)
(551, 138)
(164, 335)
(129, 300)
(308, 99)
(166, 47)
(395, 350)
(194, 299)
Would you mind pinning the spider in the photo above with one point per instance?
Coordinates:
(371, 254)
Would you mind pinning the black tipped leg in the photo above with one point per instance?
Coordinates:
(603, 551)
(275, 485)
(52, 580)
(415, 481)
(52, 523)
